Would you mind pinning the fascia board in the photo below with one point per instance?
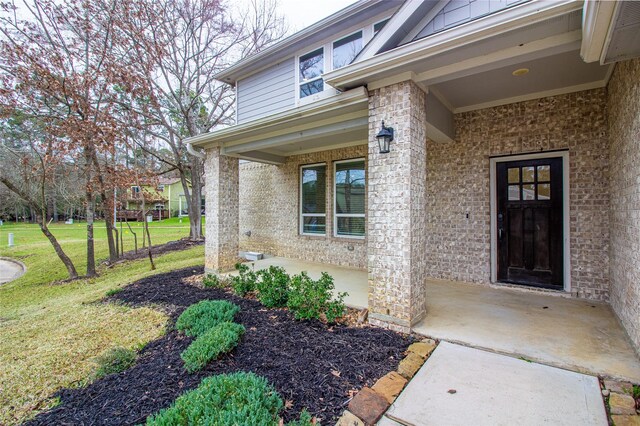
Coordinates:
(217, 138)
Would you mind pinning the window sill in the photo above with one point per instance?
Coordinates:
(350, 239)
(313, 236)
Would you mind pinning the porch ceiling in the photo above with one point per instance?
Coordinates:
(547, 76)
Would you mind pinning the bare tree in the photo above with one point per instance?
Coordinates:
(187, 42)
(29, 162)
(58, 65)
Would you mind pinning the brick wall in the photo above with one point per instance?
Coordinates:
(269, 208)
(221, 227)
(458, 248)
(397, 199)
(624, 128)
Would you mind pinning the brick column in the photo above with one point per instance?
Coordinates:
(221, 236)
(396, 230)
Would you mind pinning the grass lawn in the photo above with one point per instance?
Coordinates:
(51, 332)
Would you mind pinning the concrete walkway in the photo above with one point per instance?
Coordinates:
(465, 386)
(576, 334)
(10, 270)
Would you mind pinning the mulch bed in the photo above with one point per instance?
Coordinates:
(312, 366)
(182, 244)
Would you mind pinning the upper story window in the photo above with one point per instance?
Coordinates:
(311, 67)
(378, 26)
(332, 54)
(346, 49)
(160, 188)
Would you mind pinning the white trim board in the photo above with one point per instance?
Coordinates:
(566, 230)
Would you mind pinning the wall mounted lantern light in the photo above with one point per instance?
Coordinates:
(384, 136)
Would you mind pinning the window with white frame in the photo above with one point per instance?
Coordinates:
(346, 49)
(331, 55)
(379, 25)
(349, 198)
(311, 67)
(313, 199)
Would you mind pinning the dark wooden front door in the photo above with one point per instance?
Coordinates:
(529, 222)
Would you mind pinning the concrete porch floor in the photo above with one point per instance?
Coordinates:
(575, 334)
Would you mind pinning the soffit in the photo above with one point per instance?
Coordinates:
(546, 75)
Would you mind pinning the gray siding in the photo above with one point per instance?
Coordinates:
(267, 92)
(460, 11)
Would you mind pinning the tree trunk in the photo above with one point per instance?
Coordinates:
(71, 269)
(193, 198)
(43, 225)
(55, 209)
(108, 220)
(146, 228)
(91, 256)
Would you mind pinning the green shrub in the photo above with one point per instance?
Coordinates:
(309, 299)
(202, 316)
(218, 340)
(213, 281)
(305, 419)
(227, 399)
(273, 288)
(115, 360)
(245, 281)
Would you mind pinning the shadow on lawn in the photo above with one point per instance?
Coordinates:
(310, 364)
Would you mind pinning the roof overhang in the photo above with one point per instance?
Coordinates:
(333, 24)
(339, 120)
(397, 60)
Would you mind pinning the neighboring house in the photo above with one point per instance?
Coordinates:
(164, 198)
(515, 156)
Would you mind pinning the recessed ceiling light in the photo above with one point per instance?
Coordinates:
(520, 71)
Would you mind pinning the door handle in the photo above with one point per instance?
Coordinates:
(499, 233)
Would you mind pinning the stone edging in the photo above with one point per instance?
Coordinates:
(619, 399)
(17, 262)
(369, 404)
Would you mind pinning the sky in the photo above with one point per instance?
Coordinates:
(302, 13)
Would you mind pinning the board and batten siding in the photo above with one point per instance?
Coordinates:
(267, 92)
(458, 12)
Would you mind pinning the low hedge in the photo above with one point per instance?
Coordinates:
(204, 315)
(227, 399)
(211, 344)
